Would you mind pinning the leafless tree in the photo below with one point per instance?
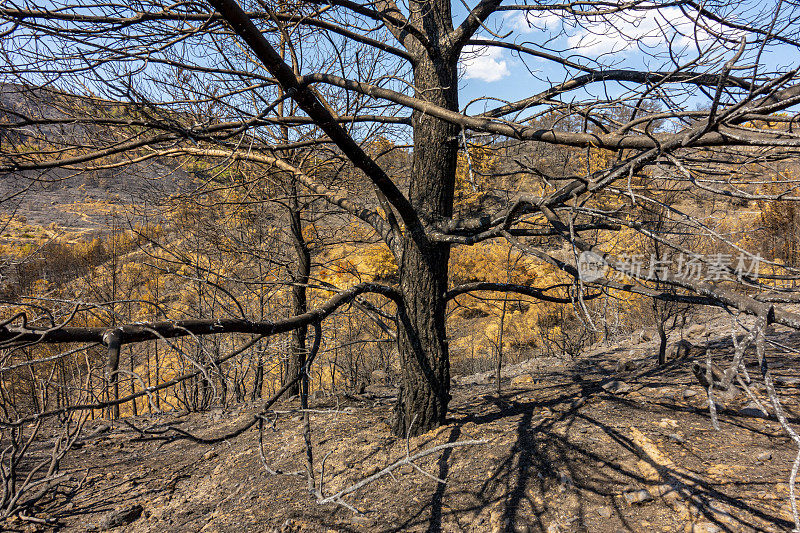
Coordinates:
(205, 81)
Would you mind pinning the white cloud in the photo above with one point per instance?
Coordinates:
(484, 63)
(648, 30)
(528, 22)
(651, 29)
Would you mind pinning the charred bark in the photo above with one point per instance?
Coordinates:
(662, 345)
(422, 339)
(297, 351)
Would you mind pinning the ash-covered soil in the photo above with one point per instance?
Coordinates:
(565, 451)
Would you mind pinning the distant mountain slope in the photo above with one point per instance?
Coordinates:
(58, 195)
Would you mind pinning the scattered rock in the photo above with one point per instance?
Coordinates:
(524, 379)
(674, 437)
(682, 510)
(122, 517)
(577, 403)
(648, 471)
(604, 511)
(616, 386)
(96, 432)
(752, 409)
(720, 515)
(681, 349)
(689, 393)
(764, 456)
(318, 394)
(378, 377)
(635, 497)
(662, 490)
(668, 423)
(783, 381)
(718, 379)
(498, 522)
(362, 520)
(210, 454)
(627, 366)
(786, 512)
(702, 527)
(696, 330)
(668, 395)
(371, 471)
(470, 380)
(291, 526)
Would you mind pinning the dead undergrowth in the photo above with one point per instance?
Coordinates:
(563, 453)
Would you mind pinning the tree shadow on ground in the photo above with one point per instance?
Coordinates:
(565, 461)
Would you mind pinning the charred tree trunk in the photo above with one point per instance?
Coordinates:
(112, 340)
(662, 345)
(422, 340)
(258, 380)
(157, 362)
(131, 357)
(422, 343)
(499, 369)
(297, 350)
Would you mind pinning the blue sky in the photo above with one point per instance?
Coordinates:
(633, 41)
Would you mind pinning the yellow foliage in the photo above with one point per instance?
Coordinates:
(347, 265)
(469, 189)
(379, 145)
(378, 262)
(493, 261)
(597, 159)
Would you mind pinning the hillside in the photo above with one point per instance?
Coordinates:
(77, 199)
(565, 451)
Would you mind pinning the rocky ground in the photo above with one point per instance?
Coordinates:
(606, 442)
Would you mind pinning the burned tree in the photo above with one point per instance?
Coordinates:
(205, 81)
